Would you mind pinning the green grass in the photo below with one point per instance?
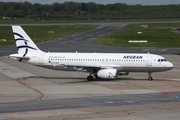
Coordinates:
(157, 35)
(171, 25)
(40, 33)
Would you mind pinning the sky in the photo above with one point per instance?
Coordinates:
(129, 2)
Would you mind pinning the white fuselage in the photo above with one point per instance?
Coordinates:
(123, 62)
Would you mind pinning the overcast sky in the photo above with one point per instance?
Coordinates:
(142, 2)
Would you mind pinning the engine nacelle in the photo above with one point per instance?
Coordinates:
(107, 73)
(123, 73)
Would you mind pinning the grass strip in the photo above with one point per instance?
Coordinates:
(43, 33)
(157, 35)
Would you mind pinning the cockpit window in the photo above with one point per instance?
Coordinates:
(162, 60)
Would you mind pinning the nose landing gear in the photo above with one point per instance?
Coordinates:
(150, 77)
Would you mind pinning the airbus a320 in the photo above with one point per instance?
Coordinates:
(98, 65)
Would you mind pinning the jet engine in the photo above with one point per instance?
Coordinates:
(107, 73)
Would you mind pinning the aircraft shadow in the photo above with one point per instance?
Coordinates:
(83, 80)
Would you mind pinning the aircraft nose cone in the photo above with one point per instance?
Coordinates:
(170, 65)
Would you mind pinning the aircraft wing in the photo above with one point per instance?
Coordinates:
(89, 67)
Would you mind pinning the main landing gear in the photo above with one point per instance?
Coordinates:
(92, 74)
(150, 77)
(90, 78)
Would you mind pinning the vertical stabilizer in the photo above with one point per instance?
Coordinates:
(24, 43)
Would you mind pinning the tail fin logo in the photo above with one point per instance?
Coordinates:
(24, 45)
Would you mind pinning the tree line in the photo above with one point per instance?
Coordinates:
(87, 11)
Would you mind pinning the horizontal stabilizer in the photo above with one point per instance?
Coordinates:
(18, 56)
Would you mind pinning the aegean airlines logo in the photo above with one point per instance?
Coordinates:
(21, 38)
(132, 57)
(25, 45)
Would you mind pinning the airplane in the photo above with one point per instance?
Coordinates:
(98, 65)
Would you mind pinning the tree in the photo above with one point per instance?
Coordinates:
(90, 10)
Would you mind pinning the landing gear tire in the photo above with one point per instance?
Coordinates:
(90, 78)
(150, 78)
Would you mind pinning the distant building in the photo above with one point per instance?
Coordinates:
(6, 18)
